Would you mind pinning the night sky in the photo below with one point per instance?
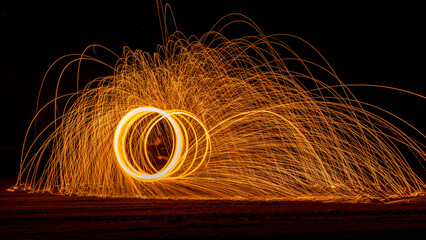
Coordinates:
(375, 44)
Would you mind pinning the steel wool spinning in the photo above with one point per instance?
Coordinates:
(220, 118)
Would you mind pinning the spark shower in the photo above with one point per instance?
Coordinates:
(241, 118)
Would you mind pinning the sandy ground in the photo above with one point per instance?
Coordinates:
(45, 216)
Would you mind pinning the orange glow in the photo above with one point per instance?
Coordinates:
(235, 119)
(180, 141)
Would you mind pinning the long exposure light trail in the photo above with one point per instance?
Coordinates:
(180, 135)
(220, 118)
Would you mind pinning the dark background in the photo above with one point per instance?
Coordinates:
(364, 43)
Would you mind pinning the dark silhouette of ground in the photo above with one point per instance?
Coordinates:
(44, 216)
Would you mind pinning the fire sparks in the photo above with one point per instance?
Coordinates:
(237, 121)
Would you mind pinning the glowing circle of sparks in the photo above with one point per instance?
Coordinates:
(179, 122)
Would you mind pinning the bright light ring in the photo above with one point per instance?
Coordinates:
(180, 147)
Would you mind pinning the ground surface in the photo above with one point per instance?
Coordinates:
(45, 216)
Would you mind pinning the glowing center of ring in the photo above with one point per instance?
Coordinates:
(190, 148)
